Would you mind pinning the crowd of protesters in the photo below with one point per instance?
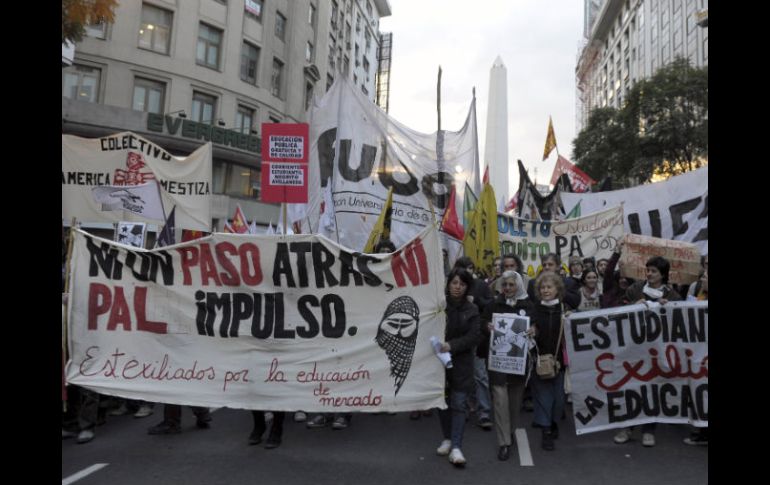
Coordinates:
(496, 398)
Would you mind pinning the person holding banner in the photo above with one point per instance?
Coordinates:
(461, 337)
(654, 288)
(507, 389)
(547, 319)
(276, 429)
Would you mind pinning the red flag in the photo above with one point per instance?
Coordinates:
(451, 224)
(191, 235)
(228, 228)
(485, 179)
(240, 224)
(580, 180)
(511, 203)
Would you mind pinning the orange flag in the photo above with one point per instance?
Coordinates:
(550, 140)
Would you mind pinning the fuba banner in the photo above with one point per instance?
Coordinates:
(594, 235)
(259, 322)
(639, 364)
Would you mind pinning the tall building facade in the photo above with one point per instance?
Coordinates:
(222, 66)
(629, 40)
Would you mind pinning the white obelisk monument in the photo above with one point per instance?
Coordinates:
(496, 146)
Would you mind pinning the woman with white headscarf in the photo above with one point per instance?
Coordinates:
(507, 389)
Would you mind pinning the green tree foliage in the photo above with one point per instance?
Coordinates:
(661, 129)
(76, 14)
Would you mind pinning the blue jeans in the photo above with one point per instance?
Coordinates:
(548, 396)
(452, 419)
(481, 377)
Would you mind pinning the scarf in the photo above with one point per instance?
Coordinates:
(653, 292)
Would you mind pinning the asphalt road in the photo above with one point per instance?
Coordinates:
(375, 449)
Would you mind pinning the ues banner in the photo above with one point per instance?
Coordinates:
(674, 209)
(593, 235)
(637, 364)
(128, 159)
(259, 322)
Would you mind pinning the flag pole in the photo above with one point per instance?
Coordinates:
(67, 269)
(285, 222)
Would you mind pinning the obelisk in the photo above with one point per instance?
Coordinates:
(496, 146)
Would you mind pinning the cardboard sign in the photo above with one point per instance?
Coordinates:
(683, 256)
(284, 162)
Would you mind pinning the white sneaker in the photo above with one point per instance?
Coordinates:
(300, 417)
(456, 457)
(444, 448)
(143, 411)
(648, 439)
(622, 436)
(85, 436)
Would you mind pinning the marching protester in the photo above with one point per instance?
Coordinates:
(481, 296)
(552, 262)
(462, 336)
(172, 419)
(274, 438)
(654, 288)
(548, 387)
(507, 389)
(589, 291)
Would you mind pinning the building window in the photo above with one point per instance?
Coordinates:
(276, 80)
(329, 81)
(235, 180)
(253, 9)
(97, 30)
(280, 26)
(249, 63)
(334, 15)
(358, 22)
(209, 44)
(244, 119)
(148, 95)
(366, 68)
(368, 38)
(311, 16)
(155, 29)
(346, 66)
(309, 52)
(81, 82)
(308, 94)
(203, 107)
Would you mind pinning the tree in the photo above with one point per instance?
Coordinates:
(662, 128)
(76, 14)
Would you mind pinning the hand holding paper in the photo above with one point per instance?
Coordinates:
(444, 357)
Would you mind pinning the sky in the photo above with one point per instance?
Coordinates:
(538, 43)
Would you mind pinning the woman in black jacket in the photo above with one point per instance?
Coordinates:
(462, 336)
(507, 389)
(548, 393)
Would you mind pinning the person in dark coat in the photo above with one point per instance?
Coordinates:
(274, 438)
(462, 336)
(549, 394)
(507, 389)
(552, 262)
(654, 288)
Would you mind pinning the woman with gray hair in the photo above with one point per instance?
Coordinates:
(507, 389)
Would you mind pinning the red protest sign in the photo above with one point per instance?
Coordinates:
(284, 162)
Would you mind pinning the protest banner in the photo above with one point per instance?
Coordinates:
(594, 235)
(508, 343)
(259, 322)
(128, 159)
(639, 364)
(284, 162)
(684, 258)
(673, 209)
(361, 152)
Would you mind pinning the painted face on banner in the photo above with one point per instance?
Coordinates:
(397, 336)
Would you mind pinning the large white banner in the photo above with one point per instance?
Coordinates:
(674, 209)
(128, 159)
(594, 235)
(360, 152)
(259, 322)
(637, 364)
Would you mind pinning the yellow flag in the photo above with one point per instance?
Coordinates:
(550, 140)
(381, 228)
(481, 242)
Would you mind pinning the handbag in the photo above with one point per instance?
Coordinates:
(547, 364)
